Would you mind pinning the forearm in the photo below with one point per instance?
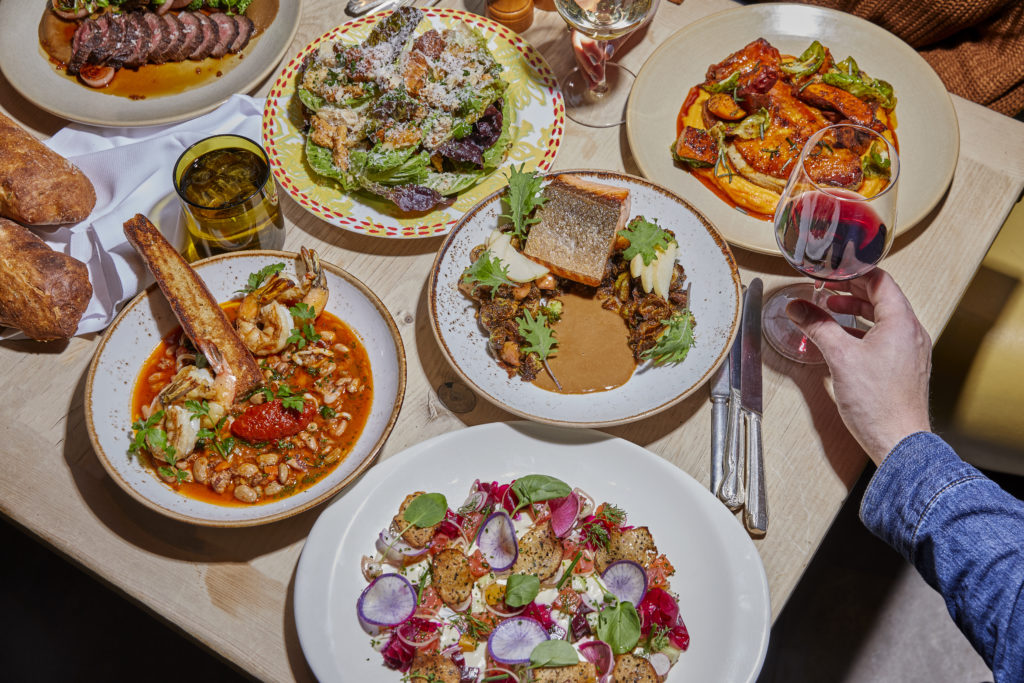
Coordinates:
(964, 534)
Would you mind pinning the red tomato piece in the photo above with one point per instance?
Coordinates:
(270, 421)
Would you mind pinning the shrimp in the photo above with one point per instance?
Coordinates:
(263, 322)
(313, 289)
(181, 424)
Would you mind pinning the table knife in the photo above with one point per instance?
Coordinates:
(755, 515)
(719, 423)
(356, 8)
(730, 492)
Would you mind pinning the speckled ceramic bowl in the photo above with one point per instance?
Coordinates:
(147, 318)
(715, 301)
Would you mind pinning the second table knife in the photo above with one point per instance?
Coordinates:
(719, 423)
(730, 491)
(755, 515)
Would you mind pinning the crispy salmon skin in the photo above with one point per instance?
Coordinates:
(198, 312)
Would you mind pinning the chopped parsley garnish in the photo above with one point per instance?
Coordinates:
(327, 412)
(180, 475)
(487, 271)
(645, 237)
(675, 342)
(305, 333)
(256, 279)
(197, 408)
(524, 195)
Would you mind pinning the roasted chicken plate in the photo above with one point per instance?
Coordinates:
(743, 128)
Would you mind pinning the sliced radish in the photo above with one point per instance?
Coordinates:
(600, 653)
(626, 580)
(564, 512)
(388, 601)
(497, 541)
(397, 551)
(512, 641)
(660, 662)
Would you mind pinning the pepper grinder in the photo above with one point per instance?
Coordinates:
(515, 14)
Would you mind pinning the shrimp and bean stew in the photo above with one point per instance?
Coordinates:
(282, 437)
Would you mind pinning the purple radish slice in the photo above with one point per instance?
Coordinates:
(564, 512)
(497, 541)
(512, 641)
(626, 580)
(396, 550)
(388, 601)
(600, 653)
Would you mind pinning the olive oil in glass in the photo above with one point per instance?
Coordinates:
(228, 196)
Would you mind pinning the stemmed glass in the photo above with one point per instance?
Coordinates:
(603, 105)
(830, 233)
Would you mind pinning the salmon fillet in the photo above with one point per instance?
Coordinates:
(198, 312)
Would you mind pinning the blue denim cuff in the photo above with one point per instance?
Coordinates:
(916, 472)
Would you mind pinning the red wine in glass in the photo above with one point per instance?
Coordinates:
(832, 235)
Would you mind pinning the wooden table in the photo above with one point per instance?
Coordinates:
(232, 589)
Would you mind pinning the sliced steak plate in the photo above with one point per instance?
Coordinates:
(245, 30)
(159, 36)
(111, 34)
(227, 31)
(205, 48)
(193, 31)
(87, 37)
(126, 42)
(175, 38)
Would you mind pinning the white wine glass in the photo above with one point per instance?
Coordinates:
(604, 104)
(830, 232)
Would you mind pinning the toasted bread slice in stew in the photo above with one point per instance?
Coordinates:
(577, 228)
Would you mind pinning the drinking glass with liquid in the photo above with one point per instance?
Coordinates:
(834, 221)
(228, 196)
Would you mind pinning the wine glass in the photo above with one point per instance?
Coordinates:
(828, 232)
(603, 105)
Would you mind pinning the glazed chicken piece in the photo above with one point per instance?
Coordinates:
(697, 145)
(758, 66)
(849, 105)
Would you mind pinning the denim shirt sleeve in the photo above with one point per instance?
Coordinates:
(964, 534)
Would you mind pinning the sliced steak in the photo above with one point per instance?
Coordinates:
(175, 38)
(245, 30)
(205, 47)
(110, 34)
(159, 36)
(126, 42)
(87, 37)
(141, 40)
(193, 31)
(227, 31)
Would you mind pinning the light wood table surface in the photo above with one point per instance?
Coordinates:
(232, 589)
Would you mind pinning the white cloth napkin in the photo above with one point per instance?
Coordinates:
(131, 170)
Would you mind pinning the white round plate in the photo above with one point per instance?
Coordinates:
(722, 587)
(29, 71)
(147, 318)
(537, 128)
(927, 130)
(714, 300)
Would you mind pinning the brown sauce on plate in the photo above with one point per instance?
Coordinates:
(150, 80)
(592, 352)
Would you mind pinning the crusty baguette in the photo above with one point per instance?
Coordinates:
(202, 319)
(577, 228)
(37, 185)
(43, 292)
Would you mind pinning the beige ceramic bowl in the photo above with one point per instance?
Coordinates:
(29, 71)
(927, 130)
(714, 300)
(147, 319)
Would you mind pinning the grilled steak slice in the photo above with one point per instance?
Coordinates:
(245, 30)
(193, 34)
(126, 41)
(111, 33)
(141, 38)
(205, 47)
(159, 36)
(227, 31)
(87, 37)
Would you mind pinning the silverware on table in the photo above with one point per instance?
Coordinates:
(719, 422)
(755, 514)
(730, 492)
(356, 8)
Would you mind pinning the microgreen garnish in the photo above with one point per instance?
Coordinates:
(539, 337)
(487, 271)
(645, 237)
(197, 408)
(524, 195)
(619, 626)
(425, 510)
(554, 652)
(521, 589)
(595, 531)
(657, 639)
(535, 488)
(675, 342)
(256, 279)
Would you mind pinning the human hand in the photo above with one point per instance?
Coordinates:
(880, 377)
